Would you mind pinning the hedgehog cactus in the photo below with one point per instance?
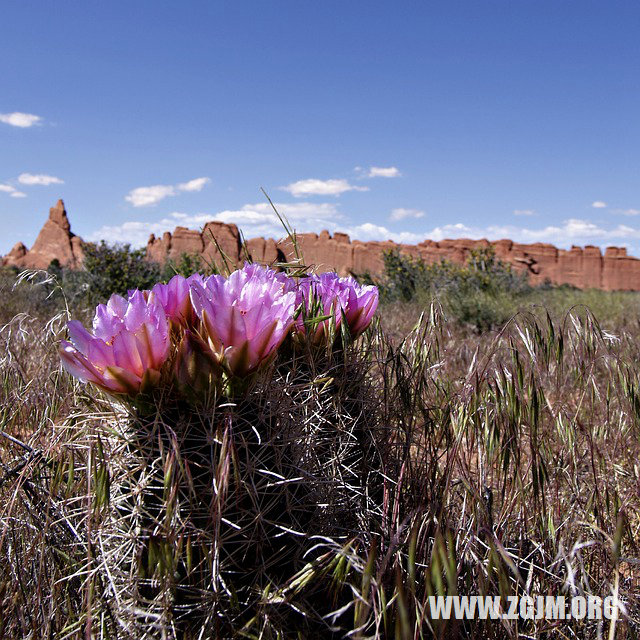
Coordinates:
(245, 473)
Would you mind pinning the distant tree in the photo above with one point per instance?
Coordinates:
(481, 292)
(117, 268)
(55, 269)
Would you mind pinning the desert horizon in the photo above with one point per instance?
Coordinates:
(583, 267)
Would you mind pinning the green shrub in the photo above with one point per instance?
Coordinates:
(118, 268)
(483, 292)
(107, 269)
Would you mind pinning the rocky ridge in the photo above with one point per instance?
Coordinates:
(54, 242)
(584, 267)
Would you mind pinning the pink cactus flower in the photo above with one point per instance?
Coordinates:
(338, 295)
(245, 317)
(253, 269)
(320, 295)
(361, 304)
(128, 346)
(174, 298)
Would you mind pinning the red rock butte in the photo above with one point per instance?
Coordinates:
(54, 242)
(581, 267)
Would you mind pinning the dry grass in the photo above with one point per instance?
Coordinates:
(336, 496)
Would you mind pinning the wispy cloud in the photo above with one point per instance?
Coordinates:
(12, 191)
(628, 212)
(383, 172)
(315, 187)
(570, 231)
(197, 184)
(38, 179)
(148, 196)
(19, 119)
(524, 212)
(370, 231)
(402, 213)
(598, 204)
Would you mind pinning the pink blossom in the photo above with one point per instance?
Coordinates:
(174, 297)
(320, 295)
(128, 346)
(360, 306)
(329, 294)
(246, 316)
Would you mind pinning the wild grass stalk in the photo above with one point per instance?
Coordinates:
(336, 496)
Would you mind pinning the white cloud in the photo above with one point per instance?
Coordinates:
(197, 184)
(402, 213)
(598, 204)
(629, 212)
(12, 191)
(18, 119)
(315, 187)
(370, 231)
(133, 232)
(383, 172)
(39, 179)
(524, 212)
(569, 232)
(455, 230)
(148, 196)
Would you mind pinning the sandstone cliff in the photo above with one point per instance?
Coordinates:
(582, 267)
(54, 242)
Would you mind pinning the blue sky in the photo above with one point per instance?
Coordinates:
(403, 120)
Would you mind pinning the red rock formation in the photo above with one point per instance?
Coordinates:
(183, 240)
(54, 242)
(16, 254)
(584, 268)
(262, 250)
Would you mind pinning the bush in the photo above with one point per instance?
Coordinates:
(482, 293)
(107, 269)
(118, 268)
